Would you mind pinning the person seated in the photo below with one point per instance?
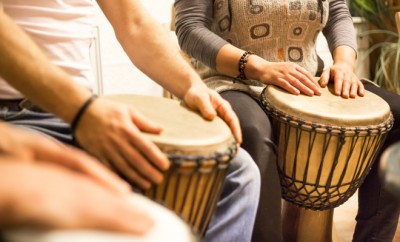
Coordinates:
(237, 45)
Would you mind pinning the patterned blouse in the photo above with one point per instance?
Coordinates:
(277, 30)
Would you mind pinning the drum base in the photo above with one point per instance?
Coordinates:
(305, 225)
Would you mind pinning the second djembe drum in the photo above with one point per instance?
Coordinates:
(326, 146)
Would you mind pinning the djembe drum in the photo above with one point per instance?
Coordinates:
(168, 227)
(199, 152)
(326, 146)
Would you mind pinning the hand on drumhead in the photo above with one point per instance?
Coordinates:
(112, 132)
(287, 75)
(210, 104)
(346, 83)
(42, 195)
(30, 146)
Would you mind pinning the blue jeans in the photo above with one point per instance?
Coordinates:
(235, 212)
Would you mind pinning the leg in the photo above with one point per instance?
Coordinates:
(234, 216)
(378, 211)
(256, 128)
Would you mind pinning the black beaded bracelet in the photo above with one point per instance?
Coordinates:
(242, 65)
(81, 111)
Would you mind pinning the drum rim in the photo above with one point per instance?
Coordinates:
(320, 127)
(218, 157)
(168, 141)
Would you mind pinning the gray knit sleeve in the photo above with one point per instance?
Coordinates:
(340, 29)
(193, 22)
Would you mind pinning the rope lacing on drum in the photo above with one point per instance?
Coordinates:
(198, 184)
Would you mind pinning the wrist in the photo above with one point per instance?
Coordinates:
(350, 65)
(254, 67)
(81, 111)
(242, 65)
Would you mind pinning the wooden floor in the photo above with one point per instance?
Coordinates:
(344, 220)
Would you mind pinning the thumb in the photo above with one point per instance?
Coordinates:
(143, 123)
(324, 79)
(203, 104)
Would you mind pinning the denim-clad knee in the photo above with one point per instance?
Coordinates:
(234, 217)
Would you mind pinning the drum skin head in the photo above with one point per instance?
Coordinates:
(330, 109)
(182, 127)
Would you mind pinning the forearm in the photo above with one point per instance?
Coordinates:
(27, 69)
(227, 61)
(150, 46)
(160, 60)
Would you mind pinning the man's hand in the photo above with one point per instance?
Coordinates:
(44, 195)
(29, 146)
(209, 103)
(112, 132)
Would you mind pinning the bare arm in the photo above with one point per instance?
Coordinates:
(117, 136)
(149, 45)
(27, 69)
(151, 48)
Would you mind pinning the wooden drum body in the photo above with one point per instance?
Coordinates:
(326, 146)
(199, 151)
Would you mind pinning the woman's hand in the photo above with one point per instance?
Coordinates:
(347, 84)
(287, 75)
(345, 80)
